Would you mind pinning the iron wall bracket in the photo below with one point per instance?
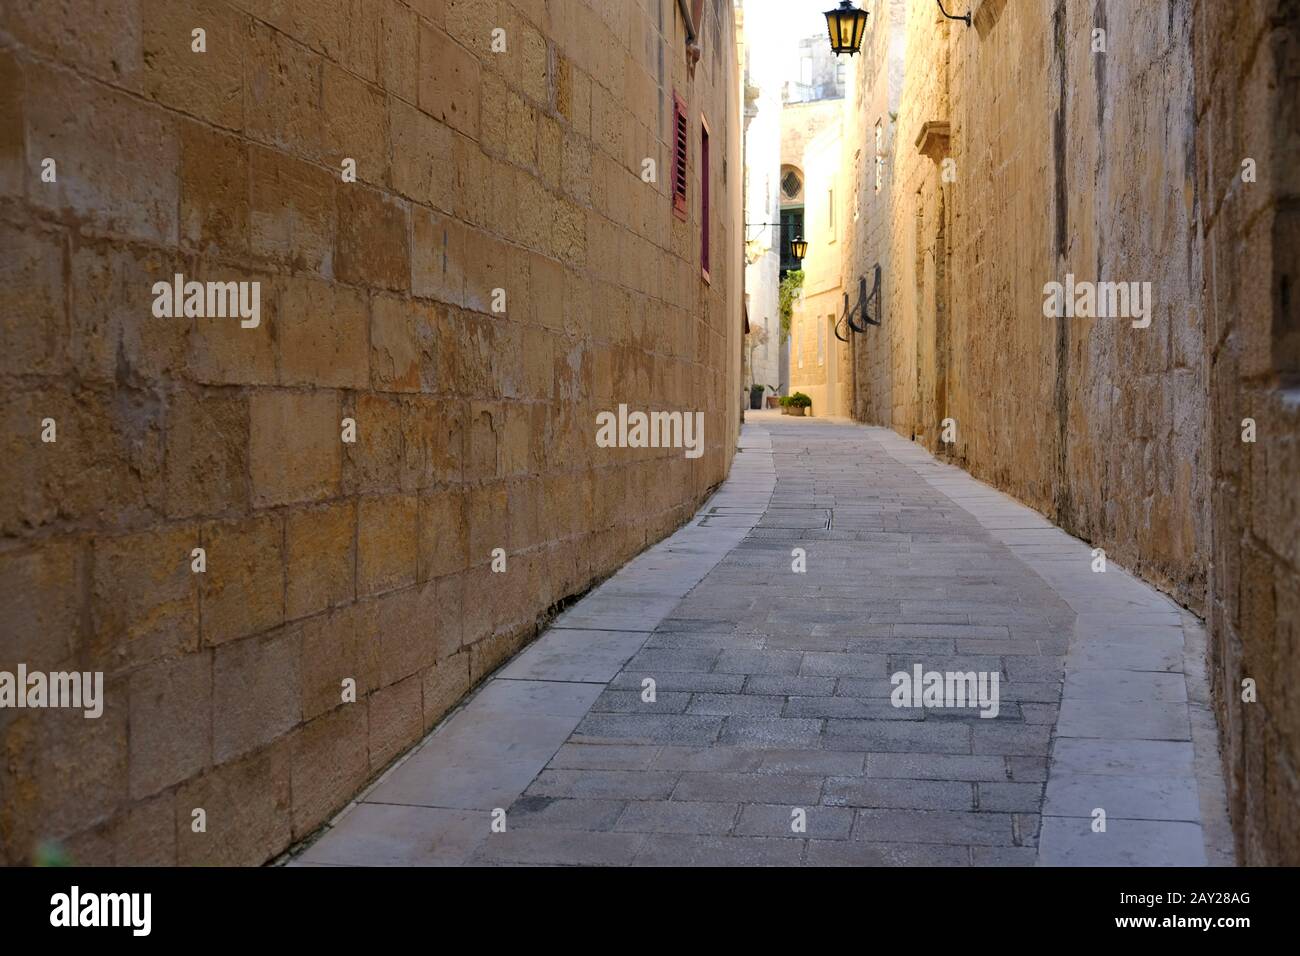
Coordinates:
(863, 309)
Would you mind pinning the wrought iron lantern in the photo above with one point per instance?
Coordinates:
(846, 24)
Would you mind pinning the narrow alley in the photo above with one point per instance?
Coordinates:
(508, 433)
(771, 694)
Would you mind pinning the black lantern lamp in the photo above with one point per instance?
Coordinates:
(846, 24)
(798, 248)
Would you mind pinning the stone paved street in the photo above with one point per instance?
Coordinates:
(772, 693)
(508, 433)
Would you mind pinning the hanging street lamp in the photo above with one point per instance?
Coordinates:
(798, 244)
(846, 24)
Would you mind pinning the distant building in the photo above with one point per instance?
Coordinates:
(820, 363)
(811, 154)
(765, 352)
(822, 75)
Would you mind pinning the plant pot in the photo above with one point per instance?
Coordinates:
(756, 398)
(798, 410)
(774, 401)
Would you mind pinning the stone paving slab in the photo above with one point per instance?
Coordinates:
(429, 779)
(1124, 796)
(383, 835)
(1070, 841)
(575, 655)
(768, 736)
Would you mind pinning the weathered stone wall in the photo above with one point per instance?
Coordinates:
(802, 125)
(824, 373)
(1065, 161)
(1247, 59)
(1120, 165)
(873, 100)
(800, 122)
(325, 560)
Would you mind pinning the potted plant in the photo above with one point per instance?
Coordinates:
(774, 397)
(797, 404)
(756, 396)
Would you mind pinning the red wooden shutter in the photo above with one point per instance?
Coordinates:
(679, 157)
(704, 198)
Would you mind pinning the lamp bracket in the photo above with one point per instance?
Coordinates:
(950, 16)
(862, 309)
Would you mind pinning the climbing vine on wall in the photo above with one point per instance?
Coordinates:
(790, 288)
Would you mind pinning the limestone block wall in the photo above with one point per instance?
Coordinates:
(1105, 141)
(800, 122)
(1247, 59)
(825, 372)
(498, 272)
(811, 352)
(1011, 164)
(872, 102)
(1065, 161)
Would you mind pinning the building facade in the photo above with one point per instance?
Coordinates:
(820, 356)
(810, 134)
(1143, 155)
(766, 345)
(292, 539)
